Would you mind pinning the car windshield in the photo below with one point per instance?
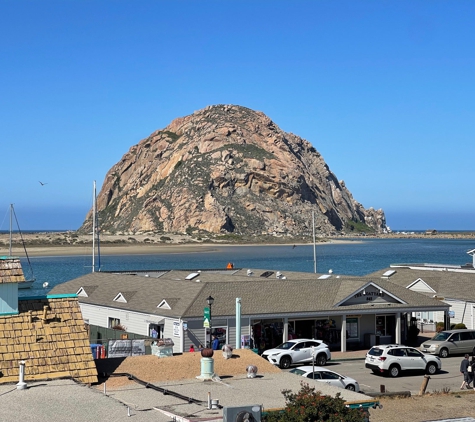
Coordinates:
(287, 345)
(441, 336)
(297, 371)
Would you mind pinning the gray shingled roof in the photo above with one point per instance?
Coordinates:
(448, 284)
(260, 296)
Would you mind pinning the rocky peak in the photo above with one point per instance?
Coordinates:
(227, 168)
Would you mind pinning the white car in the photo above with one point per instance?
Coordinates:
(393, 358)
(298, 351)
(325, 375)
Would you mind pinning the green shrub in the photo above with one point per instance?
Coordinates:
(460, 326)
(309, 405)
(440, 326)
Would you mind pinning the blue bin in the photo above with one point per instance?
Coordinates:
(94, 348)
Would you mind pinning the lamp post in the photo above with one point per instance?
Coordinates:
(210, 301)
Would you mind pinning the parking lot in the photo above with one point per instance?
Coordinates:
(449, 378)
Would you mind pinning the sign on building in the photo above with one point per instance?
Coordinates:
(176, 328)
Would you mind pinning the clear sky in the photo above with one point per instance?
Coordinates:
(384, 90)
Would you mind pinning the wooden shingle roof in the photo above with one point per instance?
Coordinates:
(11, 270)
(50, 336)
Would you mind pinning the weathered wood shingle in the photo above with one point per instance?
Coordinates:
(50, 336)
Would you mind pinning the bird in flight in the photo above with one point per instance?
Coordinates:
(42, 184)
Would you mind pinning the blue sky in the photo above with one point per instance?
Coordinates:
(384, 90)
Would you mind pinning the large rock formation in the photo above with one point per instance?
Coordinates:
(228, 169)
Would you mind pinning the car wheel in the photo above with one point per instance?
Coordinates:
(285, 362)
(444, 353)
(321, 360)
(431, 368)
(350, 387)
(394, 371)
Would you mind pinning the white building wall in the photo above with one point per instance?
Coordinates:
(134, 322)
(462, 311)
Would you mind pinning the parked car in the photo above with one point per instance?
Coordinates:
(325, 375)
(393, 358)
(451, 342)
(298, 351)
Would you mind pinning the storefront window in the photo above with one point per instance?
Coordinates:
(352, 328)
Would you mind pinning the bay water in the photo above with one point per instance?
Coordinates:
(358, 257)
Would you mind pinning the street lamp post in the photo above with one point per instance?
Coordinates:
(210, 301)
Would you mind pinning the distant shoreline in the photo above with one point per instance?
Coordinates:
(70, 244)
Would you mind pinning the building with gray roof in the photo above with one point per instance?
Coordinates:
(251, 307)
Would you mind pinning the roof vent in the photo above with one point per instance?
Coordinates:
(249, 273)
(192, 276)
(278, 274)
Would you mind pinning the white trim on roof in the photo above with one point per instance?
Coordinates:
(81, 292)
(164, 305)
(419, 282)
(371, 293)
(120, 298)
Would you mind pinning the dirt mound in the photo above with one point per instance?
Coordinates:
(153, 369)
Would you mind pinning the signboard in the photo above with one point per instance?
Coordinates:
(176, 328)
(206, 317)
(451, 314)
(124, 348)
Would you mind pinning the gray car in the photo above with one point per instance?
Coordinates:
(450, 342)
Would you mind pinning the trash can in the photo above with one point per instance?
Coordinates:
(94, 348)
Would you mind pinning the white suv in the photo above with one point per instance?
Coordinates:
(393, 358)
(298, 351)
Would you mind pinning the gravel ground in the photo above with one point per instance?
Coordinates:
(150, 368)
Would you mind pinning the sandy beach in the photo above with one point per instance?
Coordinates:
(71, 243)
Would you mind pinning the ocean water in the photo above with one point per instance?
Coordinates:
(359, 257)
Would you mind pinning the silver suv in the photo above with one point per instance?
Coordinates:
(391, 359)
(451, 342)
(298, 351)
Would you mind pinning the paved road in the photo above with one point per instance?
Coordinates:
(449, 377)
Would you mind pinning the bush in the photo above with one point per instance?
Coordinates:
(439, 327)
(460, 326)
(309, 405)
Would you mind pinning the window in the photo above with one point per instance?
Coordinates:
(114, 322)
(314, 375)
(455, 337)
(397, 352)
(352, 327)
(468, 335)
(414, 353)
(329, 376)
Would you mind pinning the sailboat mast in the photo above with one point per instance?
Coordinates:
(314, 247)
(94, 226)
(11, 230)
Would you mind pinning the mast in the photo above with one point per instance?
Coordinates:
(11, 230)
(314, 246)
(94, 226)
